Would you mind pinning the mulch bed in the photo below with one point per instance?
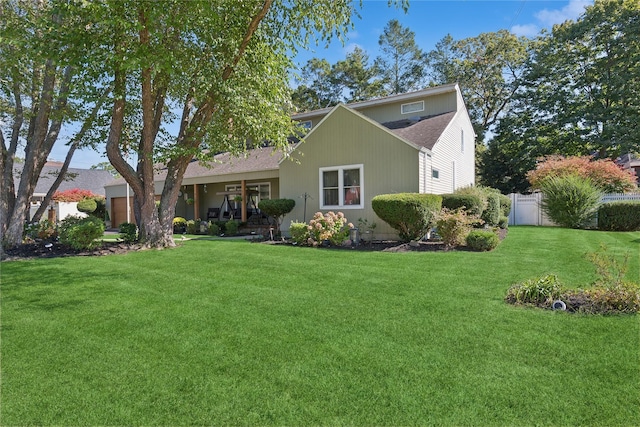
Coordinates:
(56, 250)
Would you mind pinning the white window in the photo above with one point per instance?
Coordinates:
(341, 187)
(413, 107)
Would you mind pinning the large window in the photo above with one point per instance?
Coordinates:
(263, 189)
(341, 187)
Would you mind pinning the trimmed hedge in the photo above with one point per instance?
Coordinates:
(81, 233)
(87, 206)
(491, 214)
(472, 204)
(619, 216)
(128, 232)
(411, 214)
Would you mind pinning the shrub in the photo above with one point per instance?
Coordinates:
(87, 206)
(453, 226)
(330, 226)
(541, 291)
(411, 214)
(192, 228)
(481, 240)
(491, 215)
(471, 203)
(179, 225)
(277, 208)
(503, 222)
(505, 204)
(619, 216)
(299, 232)
(605, 174)
(81, 233)
(43, 230)
(231, 228)
(214, 229)
(570, 201)
(623, 298)
(128, 232)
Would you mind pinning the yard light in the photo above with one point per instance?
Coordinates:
(354, 236)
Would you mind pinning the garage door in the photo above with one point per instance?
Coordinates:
(119, 211)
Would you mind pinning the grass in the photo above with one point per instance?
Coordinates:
(235, 333)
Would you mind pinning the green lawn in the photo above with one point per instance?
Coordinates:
(237, 333)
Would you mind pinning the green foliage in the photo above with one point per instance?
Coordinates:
(623, 298)
(454, 226)
(192, 227)
(570, 201)
(541, 291)
(299, 232)
(87, 206)
(277, 208)
(471, 203)
(128, 232)
(411, 214)
(503, 222)
(43, 230)
(81, 233)
(330, 226)
(491, 214)
(619, 216)
(482, 240)
(213, 229)
(231, 228)
(609, 270)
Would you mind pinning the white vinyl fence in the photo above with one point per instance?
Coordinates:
(526, 209)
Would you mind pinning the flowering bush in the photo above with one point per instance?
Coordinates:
(330, 226)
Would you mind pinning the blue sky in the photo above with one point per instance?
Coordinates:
(431, 20)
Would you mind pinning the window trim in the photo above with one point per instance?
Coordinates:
(421, 108)
(435, 173)
(340, 170)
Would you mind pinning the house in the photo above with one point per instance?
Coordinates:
(85, 179)
(629, 162)
(419, 142)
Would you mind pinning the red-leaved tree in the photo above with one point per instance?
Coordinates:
(605, 174)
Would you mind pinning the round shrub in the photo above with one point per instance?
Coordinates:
(87, 206)
(411, 214)
(192, 228)
(81, 233)
(231, 228)
(541, 291)
(299, 232)
(128, 232)
(214, 229)
(481, 240)
(179, 225)
(277, 208)
(471, 203)
(619, 216)
(570, 201)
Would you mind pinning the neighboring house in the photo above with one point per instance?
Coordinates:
(629, 162)
(420, 142)
(84, 179)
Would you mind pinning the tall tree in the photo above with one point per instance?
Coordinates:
(316, 86)
(580, 94)
(401, 64)
(489, 69)
(357, 78)
(45, 82)
(224, 64)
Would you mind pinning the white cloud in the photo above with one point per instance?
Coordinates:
(528, 30)
(573, 10)
(351, 47)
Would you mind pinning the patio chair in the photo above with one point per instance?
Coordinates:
(213, 214)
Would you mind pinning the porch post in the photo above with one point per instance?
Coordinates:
(196, 202)
(243, 208)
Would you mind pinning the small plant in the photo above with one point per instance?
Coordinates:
(330, 226)
(81, 233)
(192, 228)
(481, 240)
(179, 225)
(454, 226)
(541, 291)
(299, 232)
(610, 271)
(231, 228)
(366, 227)
(213, 230)
(43, 230)
(128, 232)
